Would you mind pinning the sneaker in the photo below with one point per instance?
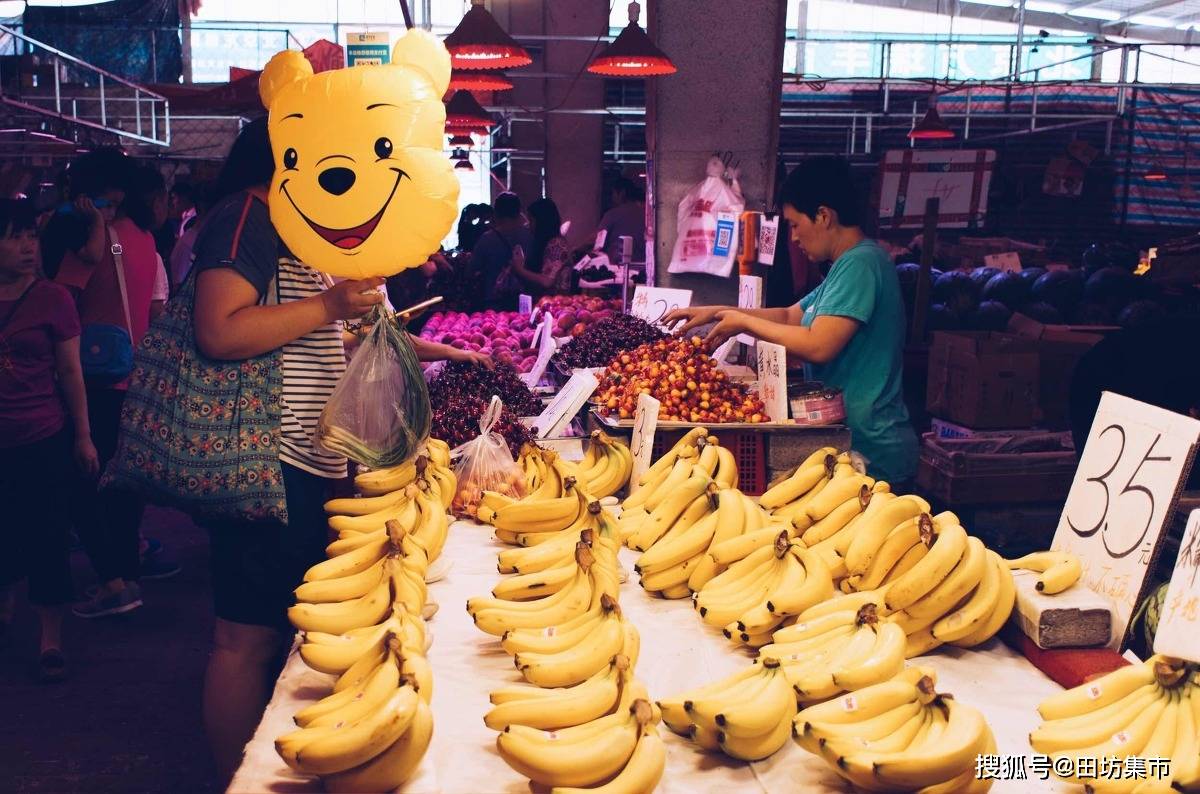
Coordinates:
(158, 569)
(127, 600)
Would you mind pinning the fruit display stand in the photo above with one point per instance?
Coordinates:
(678, 652)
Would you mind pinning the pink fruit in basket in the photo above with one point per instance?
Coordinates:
(527, 363)
(578, 329)
(448, 338)
(459, 343)
(473, 346)
(488, 328)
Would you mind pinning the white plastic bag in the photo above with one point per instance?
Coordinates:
(696, 230)
(485, 464)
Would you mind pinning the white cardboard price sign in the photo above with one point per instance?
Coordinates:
(601, 239)
(772, 380)
(1136, 459)
(1009, 261)
(653, 303)
(546, 346)
(1178, 631)
(768, 238)
(641, 445)
(749, 297)
(525, 304)
(558, 414)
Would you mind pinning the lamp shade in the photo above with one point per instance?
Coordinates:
(461, 140)
(931, 127)
(479, 81)
(480, 43)
(464, 165)
(632, 54)
(1156, 174)
(463, 110)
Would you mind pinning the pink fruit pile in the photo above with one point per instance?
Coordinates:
(574, 313)
(505, 336)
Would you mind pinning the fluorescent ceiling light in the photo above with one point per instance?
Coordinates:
(1051, 8)
(1096, 13)
(1001, 3)
(1158, 22)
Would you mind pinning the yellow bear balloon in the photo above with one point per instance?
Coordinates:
(362, 186)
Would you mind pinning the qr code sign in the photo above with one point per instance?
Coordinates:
(766, 239)
(724, 237)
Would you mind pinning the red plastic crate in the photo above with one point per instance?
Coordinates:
(749, 449)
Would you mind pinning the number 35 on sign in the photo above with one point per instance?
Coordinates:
(1136, 458)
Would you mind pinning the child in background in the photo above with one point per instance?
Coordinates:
(45, 436)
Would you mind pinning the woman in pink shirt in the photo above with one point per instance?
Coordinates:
(45, 436)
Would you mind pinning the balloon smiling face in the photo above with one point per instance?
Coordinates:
(361, 186)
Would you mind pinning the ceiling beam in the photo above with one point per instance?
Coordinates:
(1041, 19)
(1146, 8)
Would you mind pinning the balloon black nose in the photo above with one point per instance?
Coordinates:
(336, 180)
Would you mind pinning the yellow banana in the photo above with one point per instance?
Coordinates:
(876, 525)
(1059, 569)
(396, 764)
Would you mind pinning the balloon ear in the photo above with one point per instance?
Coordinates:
(420, 49)
(282, 70)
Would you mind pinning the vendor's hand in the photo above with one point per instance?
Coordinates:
(691, 317)
(349, 300)
(86, 458)
(85, 207)
(518, 258)
(473, 357)
(729, 323)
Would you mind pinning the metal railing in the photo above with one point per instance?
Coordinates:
(81, 93)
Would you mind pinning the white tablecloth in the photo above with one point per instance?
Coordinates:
(678, 652)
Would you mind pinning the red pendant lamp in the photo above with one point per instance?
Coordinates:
(462, 141)
(480, 43)
(463, 110)
(1156, 173)
(464, 165)
(632, 54)
(931, 127)
(462, 79)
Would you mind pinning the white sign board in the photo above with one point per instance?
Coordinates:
(546, 347)
(1010, 261)
(601, 239)
(525, 304)
(562, 409)
(768, 238)
(641, 445)
(1133, 465)
(368, 48)
(772, 380)
(959, 178)
(749, 297)
(1178, 633)
(653, 303)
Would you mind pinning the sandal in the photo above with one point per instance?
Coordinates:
(52, 666)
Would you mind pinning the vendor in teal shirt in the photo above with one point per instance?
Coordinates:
(849, 330)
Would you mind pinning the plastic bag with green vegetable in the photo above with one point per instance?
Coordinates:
(379, 413)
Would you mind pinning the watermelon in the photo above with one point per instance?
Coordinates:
(1092, 313)
(982, 275)
(956, 291)
(1095, 257)
(1007, 288)
(1140, 314)
(1062, 289)
(907, 275)
(1042, 312)
(1112, 287)
(1032, 274)
(942, 318)
(990, 316)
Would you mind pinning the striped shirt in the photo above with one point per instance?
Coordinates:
(312, 366)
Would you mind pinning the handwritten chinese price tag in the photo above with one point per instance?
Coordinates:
(1124, 493)
(546, 347)
(772, 380)
(653, 303)
(1009, 261)
(1178, 632)
(645, 423)
(525, 304)
(749, 297)
(562, 409)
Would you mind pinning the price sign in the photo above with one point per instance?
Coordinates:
(1010, 261)
(525, 304)
(772, 380)
(653, 303)
(726, 233)
(562, 409)
(546, 346)
(768, 237)
(601, 239)
(1178, 631)
(641, 445)
(1124, 492)
(749, 297)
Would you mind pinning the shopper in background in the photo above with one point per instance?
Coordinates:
(93, 186)
(492, 256)
(626, 218)
(108, 523)
(546, 268)
(45, 436)
(474, 220)
(180, 260)
(248, 302)
(850, 329)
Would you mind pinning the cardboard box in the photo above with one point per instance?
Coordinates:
(942, 428)
(983, 379)
(1059, 348)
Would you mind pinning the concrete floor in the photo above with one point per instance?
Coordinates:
(128, 717)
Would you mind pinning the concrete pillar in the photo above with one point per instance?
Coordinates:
(725, 96)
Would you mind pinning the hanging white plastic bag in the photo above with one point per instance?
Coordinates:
(704, 243)
(485, 464)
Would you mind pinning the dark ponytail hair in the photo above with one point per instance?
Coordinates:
(250, 161)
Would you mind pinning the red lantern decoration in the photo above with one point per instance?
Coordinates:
(480, 43)
(632, 54)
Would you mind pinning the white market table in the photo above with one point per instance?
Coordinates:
(678, 652)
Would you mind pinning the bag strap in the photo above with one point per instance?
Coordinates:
(492, 415)
(119, 262)
(20, 299)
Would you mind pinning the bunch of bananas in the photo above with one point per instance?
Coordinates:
(605, 467)
(747, 715)
(1148, 710)
(544, 471)
(1058, 570)
(899, 735)
(361, 613)
(695, 449)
